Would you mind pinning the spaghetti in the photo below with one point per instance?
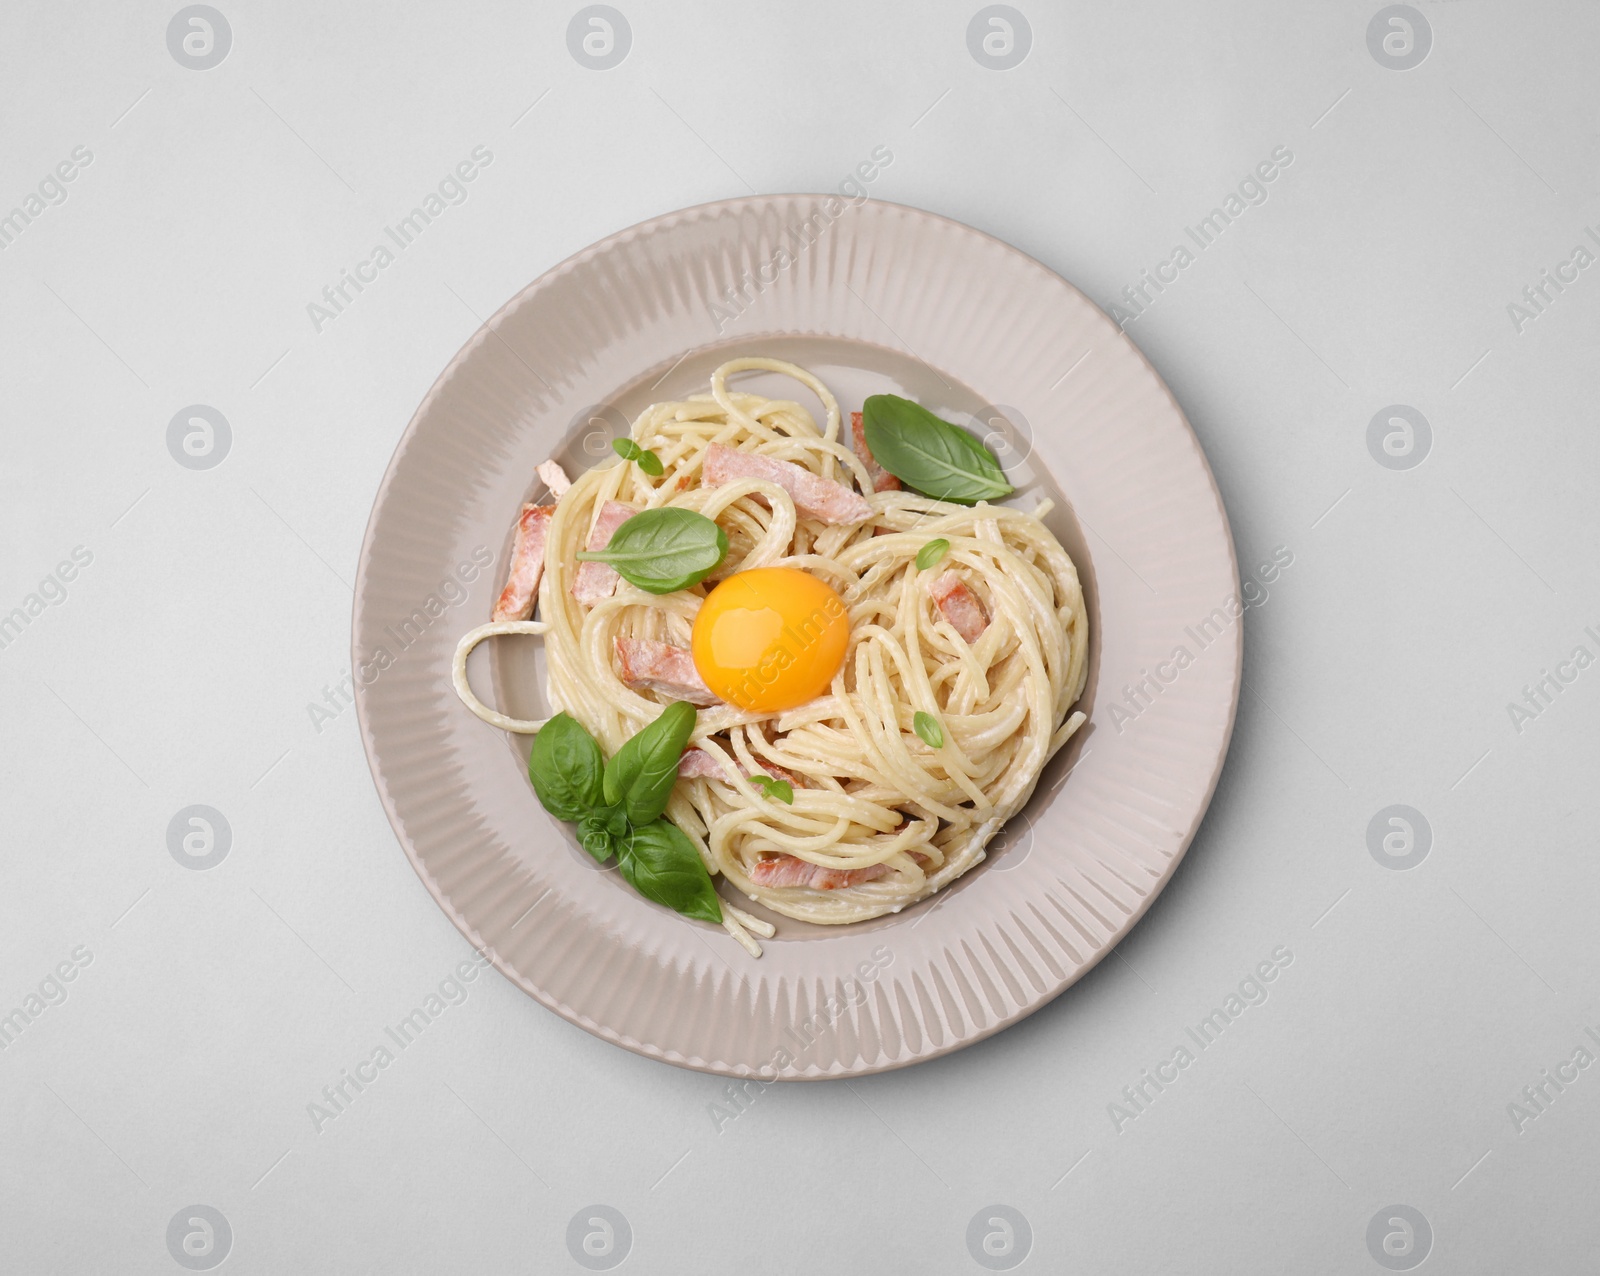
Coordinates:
(992, 643)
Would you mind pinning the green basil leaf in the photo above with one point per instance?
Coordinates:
(628, 450)
(664, 550)
(660, 862)
(938, 459)
(928, 729)
(595, 838)
(782, 790)
(640, 776)
(566, 768)
(931, 553)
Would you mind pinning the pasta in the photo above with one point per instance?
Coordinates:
(992, 644)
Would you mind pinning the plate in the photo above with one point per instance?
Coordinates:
(872, 297)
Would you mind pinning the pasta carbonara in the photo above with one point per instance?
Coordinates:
(989, 643)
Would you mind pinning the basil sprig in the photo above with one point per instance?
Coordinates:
(628, 450)
(566, 768)
(640, 775)
(936, 458)
(780, 790)
(928, 729)
(932, 553)
(594, 835)
(664, 550)
(660, 862)
(617, 805)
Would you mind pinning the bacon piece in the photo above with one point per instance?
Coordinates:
(555, 478)
(697, 764)
(818, 498)
(700, 764)
(882, 480)
(959, 605)
(599, 580)
(790, 870)
(659, 666)
(527, 564)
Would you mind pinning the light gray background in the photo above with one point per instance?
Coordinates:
(180, 664)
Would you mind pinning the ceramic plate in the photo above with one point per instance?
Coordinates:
(874, 297)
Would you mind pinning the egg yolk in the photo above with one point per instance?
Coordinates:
(770, 638)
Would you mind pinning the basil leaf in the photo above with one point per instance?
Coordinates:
(782, 790)
(595, 838)
(931, 553)
(640, 776)
(661, 863)
(928, 729)
(664, 550)
(566, 768)
(628, 450)
(938, 459)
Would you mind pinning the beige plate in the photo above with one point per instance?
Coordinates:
(872, 298)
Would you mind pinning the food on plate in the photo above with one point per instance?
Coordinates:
(827, 672)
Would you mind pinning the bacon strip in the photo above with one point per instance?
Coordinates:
(659, 666)
(818, 498)
(599, 580)
(527, 564)
(959, 605)
(555, 478)
(699, 764)
(790, 870)
(882, 480)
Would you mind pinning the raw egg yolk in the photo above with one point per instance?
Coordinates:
(770, 638)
